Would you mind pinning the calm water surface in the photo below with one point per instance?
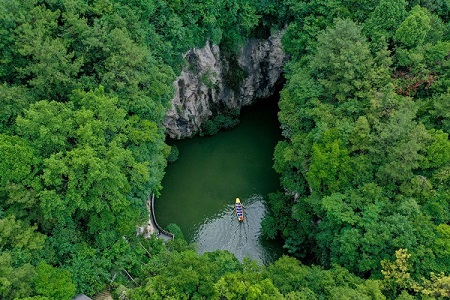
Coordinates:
(201, 186)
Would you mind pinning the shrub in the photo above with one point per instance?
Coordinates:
(173, 155)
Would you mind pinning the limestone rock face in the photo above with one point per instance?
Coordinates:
(210, 84)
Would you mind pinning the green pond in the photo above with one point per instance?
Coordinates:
(200, 188)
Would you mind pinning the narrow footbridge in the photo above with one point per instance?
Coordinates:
(152, 227)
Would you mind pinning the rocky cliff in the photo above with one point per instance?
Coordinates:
(210, 83)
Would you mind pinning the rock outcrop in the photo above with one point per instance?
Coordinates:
(210, 83)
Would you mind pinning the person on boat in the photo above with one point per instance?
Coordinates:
(238, 207)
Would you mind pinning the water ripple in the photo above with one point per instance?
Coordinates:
(224, 232)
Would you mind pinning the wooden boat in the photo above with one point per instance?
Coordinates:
(239, 210)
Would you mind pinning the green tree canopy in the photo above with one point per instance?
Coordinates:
(413, 30)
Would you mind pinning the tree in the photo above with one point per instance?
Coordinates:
(398, 279)
(90, 269)
(20, 244)
(238, 286)
(48, 126)
(96, 174)
(53, 283)
(398, 138)
(18, 161)
(342, 62)
(383, 22)
(287, 274)
(51, 68)
(329, 168)
(413, 30)
(439, 112)
(13, 100)
(15, 281)
(18, 236)
(188, 275)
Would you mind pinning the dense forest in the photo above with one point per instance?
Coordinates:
(364, 208)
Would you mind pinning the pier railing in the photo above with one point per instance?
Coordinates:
(165, 233)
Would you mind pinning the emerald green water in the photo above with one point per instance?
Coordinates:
(201, 186)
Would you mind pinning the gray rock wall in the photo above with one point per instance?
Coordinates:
(209, 83)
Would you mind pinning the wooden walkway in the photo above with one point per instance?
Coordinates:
(152, 227)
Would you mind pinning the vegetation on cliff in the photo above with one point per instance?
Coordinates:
(364, 165)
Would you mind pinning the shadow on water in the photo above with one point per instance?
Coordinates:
(201, 186)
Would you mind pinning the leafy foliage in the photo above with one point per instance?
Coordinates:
(53, 283)
(364, 166)
(219, 122)
(84, 89)
(363, 148)
(173, 155)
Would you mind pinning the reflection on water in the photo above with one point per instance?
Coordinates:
(200, 188)
(224, 232)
